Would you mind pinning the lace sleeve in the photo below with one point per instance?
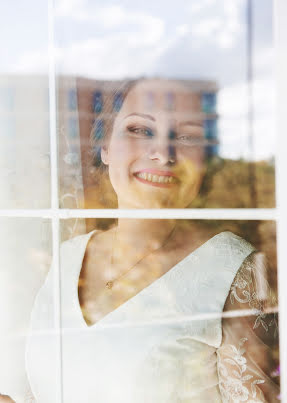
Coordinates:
(246, 368)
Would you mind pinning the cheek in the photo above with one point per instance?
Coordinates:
(124, 151)
(191, 167)
(193, 156)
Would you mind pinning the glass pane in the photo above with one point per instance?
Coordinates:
(24, 106)
(165, 311)
(207, 63)
(25, 261)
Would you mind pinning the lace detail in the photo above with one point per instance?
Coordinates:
(251, 287)
(236, 383)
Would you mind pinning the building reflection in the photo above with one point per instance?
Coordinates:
(85, 106)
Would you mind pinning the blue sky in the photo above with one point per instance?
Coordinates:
(183, 39)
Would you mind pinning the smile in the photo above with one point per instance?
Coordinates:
(156, 180)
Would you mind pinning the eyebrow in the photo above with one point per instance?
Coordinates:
(191, 123)
(142, 115)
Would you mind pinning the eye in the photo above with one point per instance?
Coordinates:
(191, 140)
(138, 131)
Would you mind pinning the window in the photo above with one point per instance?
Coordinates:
(73, 127)
(209, 102)
(132, 84)
(97, 102)
(98, 130)
(118, 100)
(72, 99)
(170, 101)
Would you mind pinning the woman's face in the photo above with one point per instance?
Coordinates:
(155, 152)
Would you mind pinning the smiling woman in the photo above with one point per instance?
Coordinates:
(155, 145)
(149, 308)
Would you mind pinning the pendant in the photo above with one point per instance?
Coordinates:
(109, 284)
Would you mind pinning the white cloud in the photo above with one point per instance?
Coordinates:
(182, 30)
(264, 61)
(198, 6)
(108, 16)
(208, 41)
(128, 45)
(31, 62)
(119, 31)
(232, 100)
(217, 22)
(206, 27)
(68, 8)
(234, 125)
(112, 57)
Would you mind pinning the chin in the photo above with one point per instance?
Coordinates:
(157, 198)
(159, 203)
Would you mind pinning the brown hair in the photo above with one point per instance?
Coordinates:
(107, 116)
(111, 90)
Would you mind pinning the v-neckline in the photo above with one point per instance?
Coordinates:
(141, 292)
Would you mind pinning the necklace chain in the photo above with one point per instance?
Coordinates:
(110, 283)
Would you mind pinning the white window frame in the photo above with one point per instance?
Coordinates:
(278, 214)
(280, 35)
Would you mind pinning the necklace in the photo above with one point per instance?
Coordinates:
(110, 283)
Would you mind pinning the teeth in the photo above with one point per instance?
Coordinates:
(156, 178)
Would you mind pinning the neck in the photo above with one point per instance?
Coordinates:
(143, 235)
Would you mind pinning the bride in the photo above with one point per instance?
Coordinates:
(150, 311)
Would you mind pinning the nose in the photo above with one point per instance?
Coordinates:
(163, 149)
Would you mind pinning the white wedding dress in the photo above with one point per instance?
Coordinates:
(167, 344)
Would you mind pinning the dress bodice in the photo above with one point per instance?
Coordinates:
(159, 346)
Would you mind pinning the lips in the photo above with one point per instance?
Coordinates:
(156, 178)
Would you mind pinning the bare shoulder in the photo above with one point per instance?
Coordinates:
(191, 236)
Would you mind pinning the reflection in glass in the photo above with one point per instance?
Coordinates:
(170, 101)
(72, 99)
(209, 102)
(190, 47)
(98, 129)
(118, 101)
(259, 174)
(73, 127)
(97, 102)
(211, 133)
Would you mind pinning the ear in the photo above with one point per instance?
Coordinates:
(105, 154)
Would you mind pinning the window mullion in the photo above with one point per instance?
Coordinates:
(280, 16)
(200, 213)
(55, 203)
